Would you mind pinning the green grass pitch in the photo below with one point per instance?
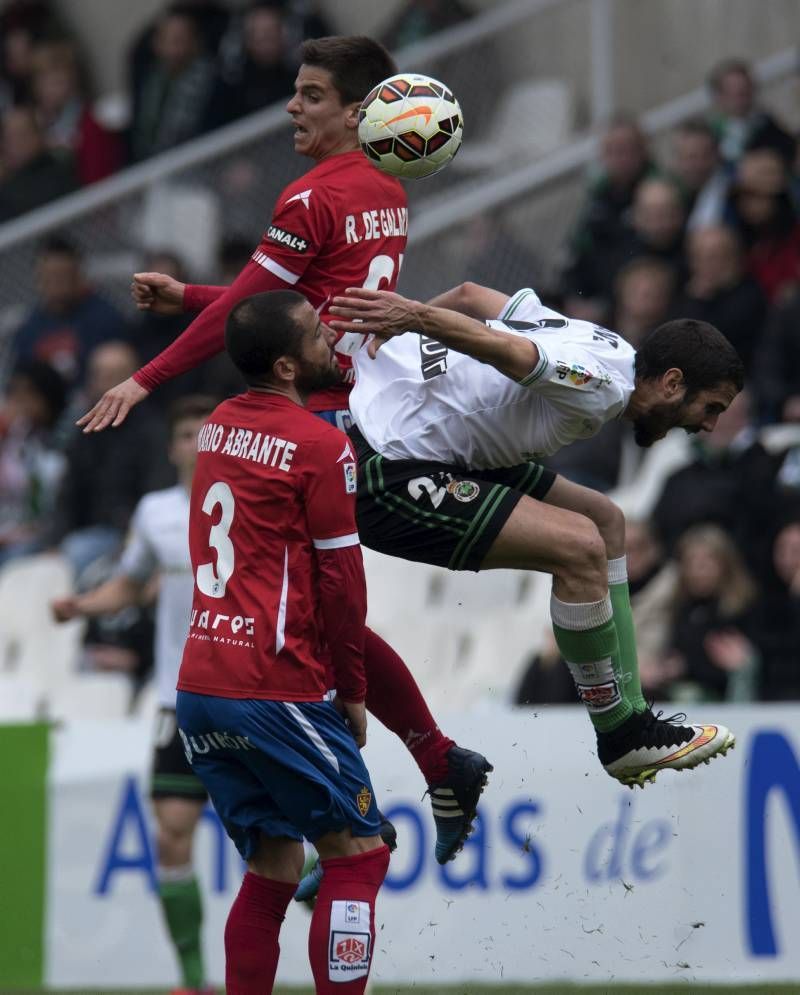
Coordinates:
(603, 988)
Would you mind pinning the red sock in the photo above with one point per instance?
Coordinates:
(342, 933)
(251, 935)
(394, 698)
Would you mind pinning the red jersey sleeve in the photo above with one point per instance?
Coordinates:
(196, 296)
(330, 487)
(300, 225)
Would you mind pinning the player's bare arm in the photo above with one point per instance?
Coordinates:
(473, 300)
(387, 315)
(112, 596)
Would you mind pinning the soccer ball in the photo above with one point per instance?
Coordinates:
(410, 126)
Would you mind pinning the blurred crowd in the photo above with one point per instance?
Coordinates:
(711, 230)
(199, 65)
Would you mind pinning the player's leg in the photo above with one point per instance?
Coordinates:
(178, 798)
(632, 746)
(342, 934)
(610, 522)
(252, 930)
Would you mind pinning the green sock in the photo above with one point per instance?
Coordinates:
(183, 911)
(628, 662)
(587, 639)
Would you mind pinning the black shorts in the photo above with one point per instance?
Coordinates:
(172, 775)
(435, 512)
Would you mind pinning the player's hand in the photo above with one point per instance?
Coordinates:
(65, 609)
(355, 715)
(377, 312)
(729, 650)
(158, 293)
(113, 407)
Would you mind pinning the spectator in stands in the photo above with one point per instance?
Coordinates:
(696, 165)
(738, 121)
(643, 293)
(69, 319)
(777, 366)
(22, 24)
(153, 332)
(264, 74)
(651, 580)
(32, 175)
(107, 474)
(417, 19)
(173, 100)
(764, 212)
(31, 463)
(713, 619)
(730, 481)
(656, 230)
(720, 291)
(65, 113)
(778, 634)
(624, 163)
(497, 258)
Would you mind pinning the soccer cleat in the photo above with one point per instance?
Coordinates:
(311, 875)
(455, 800)
(645, 744)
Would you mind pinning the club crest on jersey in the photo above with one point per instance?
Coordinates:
(463, 490)
(364, 800)
(283, 237)
(303, 197)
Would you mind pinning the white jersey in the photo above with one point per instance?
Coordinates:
(420, 400)
(159, 541)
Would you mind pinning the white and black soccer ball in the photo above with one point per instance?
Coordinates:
(410, 126)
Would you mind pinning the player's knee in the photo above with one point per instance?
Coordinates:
(610, 522)
(174, 844)
(584, 554)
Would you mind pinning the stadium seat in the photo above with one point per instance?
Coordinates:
(92, 696)
(32, 645)
(398, 585)
(666, 457)
(465, 592)
(533, 117)
(19, 700)
(184, 219)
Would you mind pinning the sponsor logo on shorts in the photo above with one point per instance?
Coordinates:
(364, 800)
(287, 238)
(350, 485)
(599, 697)
(205, 743)
(463, 490)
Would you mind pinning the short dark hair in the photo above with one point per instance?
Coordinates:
(261, 329)
(696, 348)
(736, 66)
(58, 245)
(356, 63)
(47, 382)
(698, 126)
(190, 406)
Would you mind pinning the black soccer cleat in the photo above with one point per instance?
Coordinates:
(645, 744)
(455, 800)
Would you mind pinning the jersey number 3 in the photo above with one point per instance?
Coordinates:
(210, 580)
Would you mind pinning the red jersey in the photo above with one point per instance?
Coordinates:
(279, 581)
(342, 224)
